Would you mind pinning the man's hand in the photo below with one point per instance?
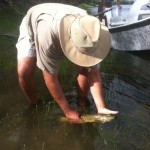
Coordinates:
(57, 93)
(73, 117)
(107, 111)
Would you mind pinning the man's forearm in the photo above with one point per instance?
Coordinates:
(96, 88)
(56, 91)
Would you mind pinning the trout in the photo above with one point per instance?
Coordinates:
(89, 118)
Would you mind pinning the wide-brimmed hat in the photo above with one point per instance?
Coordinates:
(84, 40)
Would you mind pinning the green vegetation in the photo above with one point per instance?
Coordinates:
(8, 26)
(7, 55)
(9, 22)
(86, 6)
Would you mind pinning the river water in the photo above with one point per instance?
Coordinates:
(126, 85)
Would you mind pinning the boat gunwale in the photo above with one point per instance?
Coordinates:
(137, 24)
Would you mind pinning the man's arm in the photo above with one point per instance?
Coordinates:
(55, 89)
(95, 83)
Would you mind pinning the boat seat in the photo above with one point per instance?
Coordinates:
(144, 12)
(117, 21)
(135, 9)
(143, 15)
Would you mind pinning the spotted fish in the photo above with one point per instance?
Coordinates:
(89, 118)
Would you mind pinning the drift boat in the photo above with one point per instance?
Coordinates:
(130, 26)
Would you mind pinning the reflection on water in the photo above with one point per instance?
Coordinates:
(126, 82)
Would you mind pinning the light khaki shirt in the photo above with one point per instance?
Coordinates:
(43, 26)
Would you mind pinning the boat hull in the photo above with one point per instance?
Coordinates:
(131, 37)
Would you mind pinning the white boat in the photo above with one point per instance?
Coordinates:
(130, 26)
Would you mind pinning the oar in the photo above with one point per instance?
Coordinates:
(102, 13)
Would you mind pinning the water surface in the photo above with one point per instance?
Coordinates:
(126, 84)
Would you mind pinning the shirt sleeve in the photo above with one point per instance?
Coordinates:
(47, 58)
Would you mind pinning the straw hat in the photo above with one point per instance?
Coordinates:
(84, 40)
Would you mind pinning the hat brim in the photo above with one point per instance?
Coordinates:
(73, 54)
